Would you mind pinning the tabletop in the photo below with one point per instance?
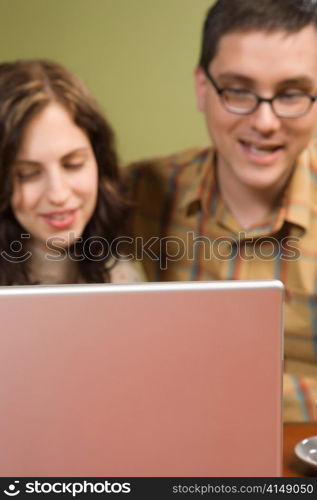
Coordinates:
(293, 433)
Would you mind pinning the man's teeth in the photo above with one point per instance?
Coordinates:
(259, 151)
(262, 151)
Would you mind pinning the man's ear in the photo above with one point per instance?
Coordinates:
(201, 88)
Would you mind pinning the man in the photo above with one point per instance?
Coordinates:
(246, 207)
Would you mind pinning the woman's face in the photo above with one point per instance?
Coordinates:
(55, 179)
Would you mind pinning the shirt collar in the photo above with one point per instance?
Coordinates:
(296, 201)
(198, 193)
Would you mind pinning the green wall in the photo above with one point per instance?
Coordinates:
(136, 56)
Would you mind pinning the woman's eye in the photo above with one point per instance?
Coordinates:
(25, 176)
(73, 166)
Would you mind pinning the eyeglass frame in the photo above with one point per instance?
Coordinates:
(259, 100)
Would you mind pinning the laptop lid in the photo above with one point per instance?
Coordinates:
(155, 379)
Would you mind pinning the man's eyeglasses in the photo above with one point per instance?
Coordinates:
(245, 102)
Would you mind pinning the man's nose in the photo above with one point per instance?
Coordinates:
(264, 120)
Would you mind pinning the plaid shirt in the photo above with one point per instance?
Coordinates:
(192, 235)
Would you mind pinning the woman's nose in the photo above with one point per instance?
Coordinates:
(58, 189)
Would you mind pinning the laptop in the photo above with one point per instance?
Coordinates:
(143, 380)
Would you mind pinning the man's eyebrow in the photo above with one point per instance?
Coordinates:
(237, 77)
(302, 80)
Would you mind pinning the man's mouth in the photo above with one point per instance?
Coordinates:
(261, 149)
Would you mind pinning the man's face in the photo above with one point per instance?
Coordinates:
(258, 151)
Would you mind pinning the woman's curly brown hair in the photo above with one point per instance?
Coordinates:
(26, 87)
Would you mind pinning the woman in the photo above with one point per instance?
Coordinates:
(61, 198)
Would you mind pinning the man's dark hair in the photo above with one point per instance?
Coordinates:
(228, 16)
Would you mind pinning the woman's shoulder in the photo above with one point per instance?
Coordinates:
(127, 271)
